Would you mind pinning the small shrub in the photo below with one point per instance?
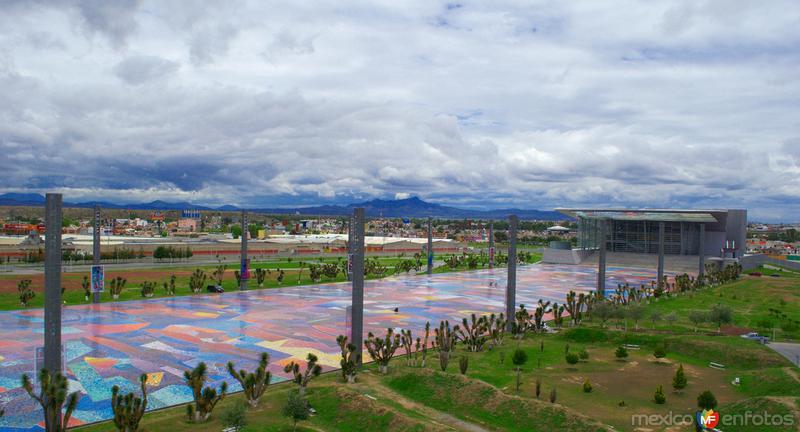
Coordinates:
(679, 381)
(621, 352)
(659, 397)
(571, 358)
(296, 408)
(587, 386)
(553, 395)
(583, 354)
(519, 358)
(706, 400)
(660, 352)
(538, 387)
(234, 416)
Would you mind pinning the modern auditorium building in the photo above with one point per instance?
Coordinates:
(715, 233)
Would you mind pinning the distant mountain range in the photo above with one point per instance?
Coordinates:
(411, 207)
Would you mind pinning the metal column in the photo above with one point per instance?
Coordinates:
(430, 245)
(701, 251)
(511, 285)
(52, 284)
(491, 244)
(601, 258)
(350, 247)
(96, 249)
(357, 310)
(243, 269)
(660, 252)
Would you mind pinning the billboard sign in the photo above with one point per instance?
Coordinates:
(98, 278)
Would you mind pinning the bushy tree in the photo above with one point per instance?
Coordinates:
(659, 397)
(296, 408)
(621, 352)
(679, 381)
(519, 358)
(706, 400)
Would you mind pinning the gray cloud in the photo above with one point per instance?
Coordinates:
(486, 104)
(139, 69)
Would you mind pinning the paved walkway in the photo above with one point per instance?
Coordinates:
(113, 343)
(789, 350)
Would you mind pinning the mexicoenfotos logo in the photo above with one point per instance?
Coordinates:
(708, 419)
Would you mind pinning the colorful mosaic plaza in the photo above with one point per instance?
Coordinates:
(113, 343)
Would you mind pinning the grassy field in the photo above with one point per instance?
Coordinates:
(294, 275)
(769, 305)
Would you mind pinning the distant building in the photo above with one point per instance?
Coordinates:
(637, 231)
(187, 224)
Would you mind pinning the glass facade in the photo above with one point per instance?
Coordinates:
(640, 236)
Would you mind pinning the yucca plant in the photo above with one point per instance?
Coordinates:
(422, 346)
(473, 334)
(116, 286)
(254, 384)
(148, 289)
(169, 287)
(382, 349)
(129, 409)
(302, 379)
(205, 398)
(407, 340)
(26, 294)
(497, 328)
(219, 273)
(197, 280)
(52, 397)
(261, 275)
(350, 359)
(463, 363)
(86, 285)
(445, 343)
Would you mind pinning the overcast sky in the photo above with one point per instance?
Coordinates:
(475, 104)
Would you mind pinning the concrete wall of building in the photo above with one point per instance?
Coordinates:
(736, 230)
(750, 262)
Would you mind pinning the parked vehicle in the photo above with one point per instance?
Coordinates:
(215, 289)
(756, 337)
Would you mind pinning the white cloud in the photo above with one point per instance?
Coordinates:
(530, 104)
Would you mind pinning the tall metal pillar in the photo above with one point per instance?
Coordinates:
(660, 252)
(511, 286)
(96, 249)
(244, 272)
(52, 284)
(430, 245)
(701, 251)
(491, 244)
(357, 310)
(601, 258)
(350, 237)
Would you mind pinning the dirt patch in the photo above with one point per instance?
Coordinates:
(353, 403)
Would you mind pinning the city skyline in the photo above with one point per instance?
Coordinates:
(528, 105)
